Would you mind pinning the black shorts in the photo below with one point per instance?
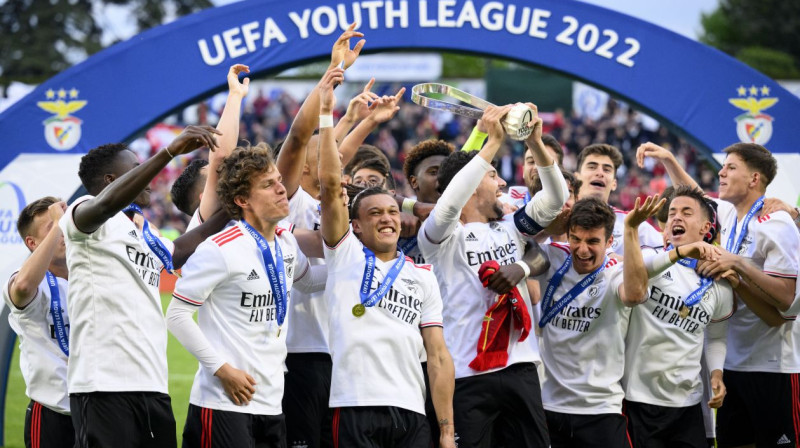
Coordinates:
(46, 428)
(378, 427)
(587, 431)
(123, 420)
(430, 411)
(502, 408)
(307, 389)
(761, 408)
(652, 426)
(211, 428)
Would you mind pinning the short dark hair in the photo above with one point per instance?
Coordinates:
(31, 211)
(757, 158)
(592, 213)
(364, 152)
(365, 193)
(184, 187)
(663, 213)
(237, 172)
(452, 165)
(96, 163)
(422, 151)
(551, 142)
(601, 149)
(573, 182)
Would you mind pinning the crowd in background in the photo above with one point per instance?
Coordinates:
(267, 118)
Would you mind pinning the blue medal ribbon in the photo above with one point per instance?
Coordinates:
(527, 197)
(549, 307)
(734, 244)
(57, 312)
(370, 299)
(275, 271)
(408, 245)
(705, 282)
(156, 246)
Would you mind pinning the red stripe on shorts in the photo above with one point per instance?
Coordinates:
(336, 428)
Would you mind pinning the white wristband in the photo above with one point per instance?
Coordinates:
(525, 267)
(657, 264)
(325, 121)
(408, 205)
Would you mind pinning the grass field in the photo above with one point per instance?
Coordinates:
(182, 367)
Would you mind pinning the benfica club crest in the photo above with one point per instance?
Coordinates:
(62, 131)
(754, 126)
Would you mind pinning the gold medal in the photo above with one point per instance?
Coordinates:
(359, 310)
(684, 312)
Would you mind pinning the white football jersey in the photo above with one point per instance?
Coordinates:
(118, 335)
(648, 235)
(583, 346)
(664, 351)
(376, 357)
(772, 243)
(226, 279)
(457, 260)
(43, 364)
(308, 312)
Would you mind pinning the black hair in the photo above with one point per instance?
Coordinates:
(422, 151)
(96, 163)
(183, 191)
(452, 165)
(359, 198)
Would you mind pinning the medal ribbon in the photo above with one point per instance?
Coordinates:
(156, 246)
(705, 282)
(275, 270)
(370, 299)
(57, 312)
(408, 245)
(734, 244)
(549, 307)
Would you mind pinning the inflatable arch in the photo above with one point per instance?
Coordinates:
(712, 99)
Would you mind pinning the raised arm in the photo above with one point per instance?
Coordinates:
(358, 109)
(384, 110)
(23, 287)
(335, 219)
(90, 215)
(446, 213)
(675, 171)
(292, 156)
(634, 285)
(229, 127)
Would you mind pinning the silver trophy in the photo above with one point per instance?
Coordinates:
(515, 122)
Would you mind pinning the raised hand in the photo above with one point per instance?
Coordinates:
(236, 87)
(327, 100)
(194, 137)
(650, 149)
(238, 384)
(642, 211)
(56, 211)
(535, 139)
(386, 107)
(491, 118)
(341, 51)
(360, 107)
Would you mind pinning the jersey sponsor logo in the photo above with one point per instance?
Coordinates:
(575, 318)
(253, 275)
(261, 306)
(406, 308)
(471, 237)
(298, 444)
(668, 311)
(133, 234)
(784, 440)
(148, 268)
(667, 276)
(503, 254)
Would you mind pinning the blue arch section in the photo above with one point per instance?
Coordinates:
(712, 98)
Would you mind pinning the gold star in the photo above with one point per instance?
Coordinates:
(62, 93)
(753, 90)
(764, 90)
(50, 94)
(741, 91)
(73, 93)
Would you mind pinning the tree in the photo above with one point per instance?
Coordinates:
(39, 38)
(761, 33)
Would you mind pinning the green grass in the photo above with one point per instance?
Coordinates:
(182, 367)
